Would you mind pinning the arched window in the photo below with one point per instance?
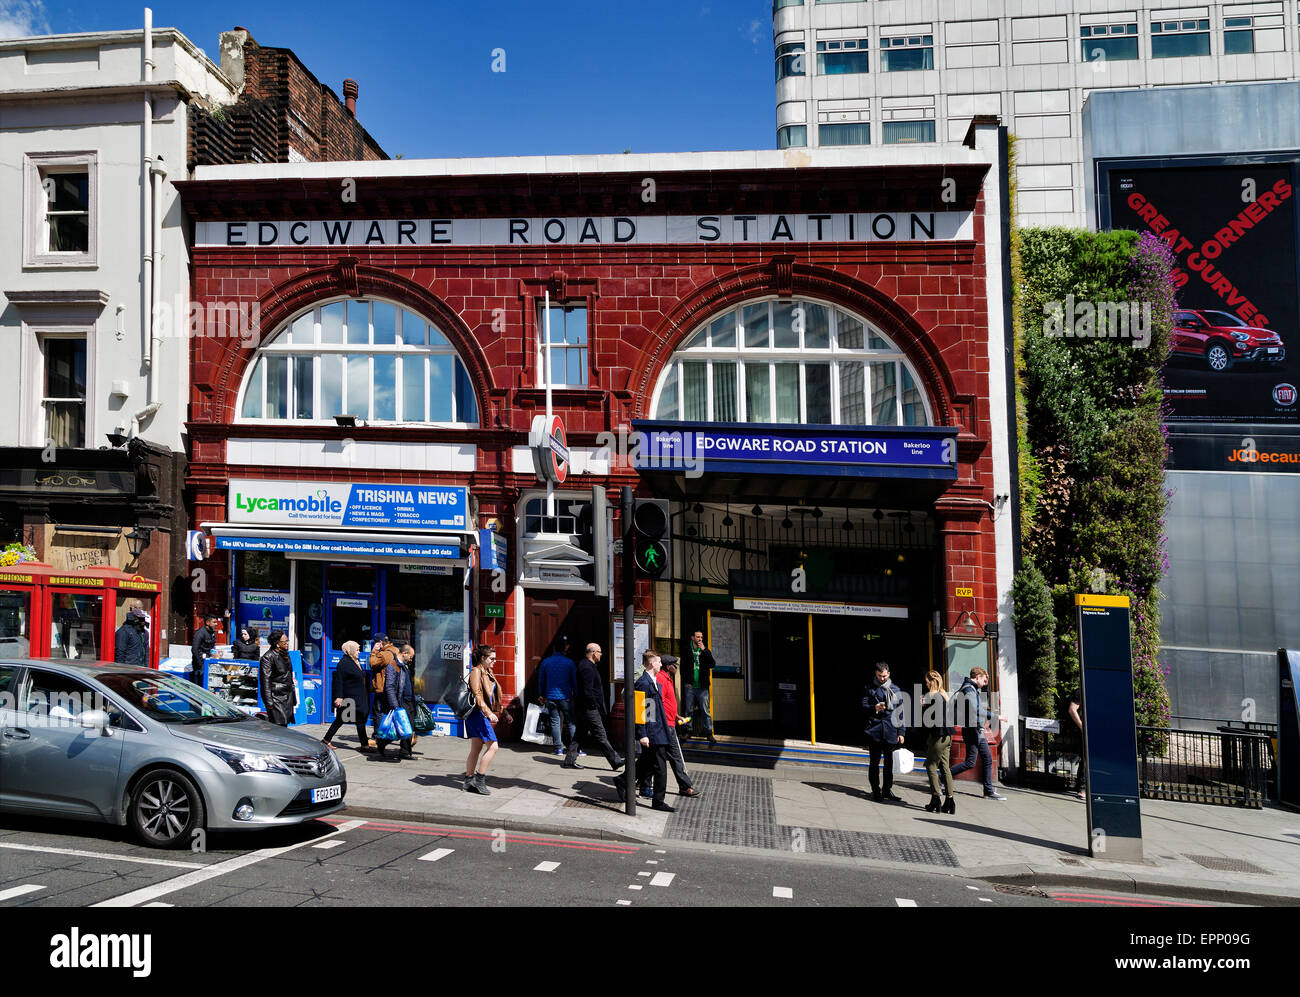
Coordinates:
(370, 359)
(790, 361)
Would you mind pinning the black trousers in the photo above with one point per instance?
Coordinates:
(358, 718)
(878, 750)
(589, 721)
(652, 764)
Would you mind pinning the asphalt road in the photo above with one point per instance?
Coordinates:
(353, 862)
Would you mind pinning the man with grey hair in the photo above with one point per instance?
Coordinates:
(590, 715)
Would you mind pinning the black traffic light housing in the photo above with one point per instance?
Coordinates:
(652, 537)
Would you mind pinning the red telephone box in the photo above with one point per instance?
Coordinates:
(48, 612)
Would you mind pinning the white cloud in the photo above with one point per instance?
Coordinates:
(20, 18)
(756, 29)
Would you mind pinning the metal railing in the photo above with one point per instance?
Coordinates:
(1227, 766)
(1194, 760)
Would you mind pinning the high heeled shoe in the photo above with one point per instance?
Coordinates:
(933, 806)
(950, 805)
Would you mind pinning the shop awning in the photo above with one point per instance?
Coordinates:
(342, 544)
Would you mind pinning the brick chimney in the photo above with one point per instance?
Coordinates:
(350, 92)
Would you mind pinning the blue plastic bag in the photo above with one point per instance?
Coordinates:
(388, 727)
(403, 722)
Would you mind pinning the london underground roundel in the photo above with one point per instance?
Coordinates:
(550, 448)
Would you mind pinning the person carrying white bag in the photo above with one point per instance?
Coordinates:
(886, 727)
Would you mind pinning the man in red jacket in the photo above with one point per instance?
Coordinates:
(667, 678)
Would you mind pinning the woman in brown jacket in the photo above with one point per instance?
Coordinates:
(486, 691)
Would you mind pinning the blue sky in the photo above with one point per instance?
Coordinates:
(580, 76)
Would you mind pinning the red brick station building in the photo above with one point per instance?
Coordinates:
(805, 352)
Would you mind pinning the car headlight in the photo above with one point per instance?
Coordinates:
(1241, 336)
(244, 761)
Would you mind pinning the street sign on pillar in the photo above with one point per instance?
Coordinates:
(1109, 727)
(652, 537)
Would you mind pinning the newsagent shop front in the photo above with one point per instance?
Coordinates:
(804, 357)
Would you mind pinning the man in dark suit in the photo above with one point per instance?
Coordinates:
(653, 735)
(697, 675)
(205, 639)
(591, 716)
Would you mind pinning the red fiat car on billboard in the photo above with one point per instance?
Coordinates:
(1221, 340)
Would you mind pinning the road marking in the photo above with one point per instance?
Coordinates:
(137, 897)
(332, 843)
(436, 854)
(660, 851)
(643, 874)
(546, 866)
(79, 853)
(19, 891)
(158, 903)
(625, 903)
(520, 839)
(635, 886)
(984, 900)
(904, 902)
(663, 879)
(651, 861)
(783, 893)
(975, 888)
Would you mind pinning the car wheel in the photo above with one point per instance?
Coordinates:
(1218, 357)
(166, 809)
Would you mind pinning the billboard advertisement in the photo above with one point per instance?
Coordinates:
(1232, 230)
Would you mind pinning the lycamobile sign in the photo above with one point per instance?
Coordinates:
(343, 504)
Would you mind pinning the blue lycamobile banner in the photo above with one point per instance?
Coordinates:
(909, 451)
(343, 504)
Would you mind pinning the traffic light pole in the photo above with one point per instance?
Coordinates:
(629, 652)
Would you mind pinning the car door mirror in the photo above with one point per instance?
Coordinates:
(96, 720)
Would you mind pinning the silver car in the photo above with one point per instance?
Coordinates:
(128, 745)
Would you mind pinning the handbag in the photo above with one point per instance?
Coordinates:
(422, 722)
(459, 699)
(904, 761)
(533, 733)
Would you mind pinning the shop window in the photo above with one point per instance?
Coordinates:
(568, 345)
(842, 56)
(907, 52)
(790, 362)
(1109, 42)
(1178, 39)
(364, 358)
(64, 396)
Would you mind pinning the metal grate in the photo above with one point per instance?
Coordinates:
(586, 803)
(1020, 891)
(1071, 861)
(1220, 864)
(739, 810)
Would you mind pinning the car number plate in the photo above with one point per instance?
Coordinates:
(1272, 349)
(326, 793)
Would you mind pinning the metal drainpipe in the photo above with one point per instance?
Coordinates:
(146, 185)
(157, 175)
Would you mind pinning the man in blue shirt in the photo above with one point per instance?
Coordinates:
(557, 677)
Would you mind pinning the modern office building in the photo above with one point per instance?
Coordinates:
(850, 72)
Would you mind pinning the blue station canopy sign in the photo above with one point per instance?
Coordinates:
(347, 504)
(767, 448)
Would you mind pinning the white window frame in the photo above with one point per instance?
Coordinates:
(739, 355)
(560, 351)
(34, 421)
(36, 254)
(278, 345)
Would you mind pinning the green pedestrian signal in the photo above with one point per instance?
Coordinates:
(652, 537)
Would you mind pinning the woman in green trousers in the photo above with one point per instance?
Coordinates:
(936, 719)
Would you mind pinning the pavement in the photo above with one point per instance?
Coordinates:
(1035, 839)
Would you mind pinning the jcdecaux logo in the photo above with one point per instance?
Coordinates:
(321, 502)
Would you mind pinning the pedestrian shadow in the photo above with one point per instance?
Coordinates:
(993, 832)
(457, 781)
(835, 787)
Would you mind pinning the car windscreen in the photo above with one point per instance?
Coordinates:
(169, 699)
(1223, 318)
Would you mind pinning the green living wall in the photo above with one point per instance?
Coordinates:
(1093, 312)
